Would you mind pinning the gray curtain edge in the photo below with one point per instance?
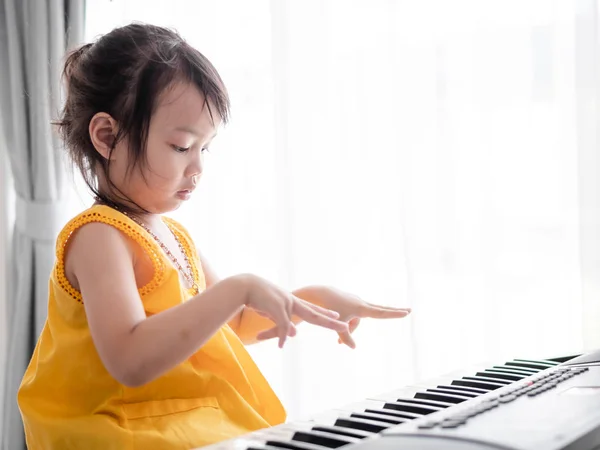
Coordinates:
(33, 38)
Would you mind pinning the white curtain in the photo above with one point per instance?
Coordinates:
(433, 154)
(7, 221)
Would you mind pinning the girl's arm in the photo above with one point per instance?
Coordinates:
(136, 349)
(246, 322)
(211, 278)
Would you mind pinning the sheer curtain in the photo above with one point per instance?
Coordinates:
(433, 154)
(7, 221)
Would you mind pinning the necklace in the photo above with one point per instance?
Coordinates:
(188, 275)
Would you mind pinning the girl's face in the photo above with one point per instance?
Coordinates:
(181, 129)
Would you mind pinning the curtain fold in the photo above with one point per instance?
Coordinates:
(34, 36)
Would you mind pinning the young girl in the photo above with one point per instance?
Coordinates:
(143, 347)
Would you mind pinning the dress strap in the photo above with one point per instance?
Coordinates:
(109, 216)
(184, 237)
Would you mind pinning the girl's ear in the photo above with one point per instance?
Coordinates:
(103, 132)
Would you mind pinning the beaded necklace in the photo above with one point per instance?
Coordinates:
(188, 275)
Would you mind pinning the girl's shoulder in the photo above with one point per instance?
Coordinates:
(96, 213)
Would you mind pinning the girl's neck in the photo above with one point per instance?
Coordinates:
(130, 209)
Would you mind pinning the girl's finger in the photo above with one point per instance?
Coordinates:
(282, 318)
(346, 338)
(352, 325)
(274, 332)
(379, 312)
(310, 315)
(324, 311)
(389, 308)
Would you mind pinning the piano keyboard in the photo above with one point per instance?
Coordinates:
(486, 407)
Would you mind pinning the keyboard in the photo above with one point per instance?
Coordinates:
(521, 404)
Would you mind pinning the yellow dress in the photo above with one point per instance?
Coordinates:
(68, 400)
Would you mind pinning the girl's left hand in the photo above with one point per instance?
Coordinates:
(351, 309)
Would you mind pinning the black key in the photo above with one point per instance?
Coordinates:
(487, 379)
(360, 434)
(513, 370)
(477, 384)
(294, 445)
(362, 424)
(411, 407)
(500, 375)
(265, 447)
(544, 362)
(463, 388)
(378, 417)
(448, 398)
(453, 392)
(530, 365)
(418, 401)
(398, 414)
(324, 439)
(516, 370)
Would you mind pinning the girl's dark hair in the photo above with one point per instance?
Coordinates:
(122, 74)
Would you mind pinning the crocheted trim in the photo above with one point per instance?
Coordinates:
(130, 229)
(183, 237)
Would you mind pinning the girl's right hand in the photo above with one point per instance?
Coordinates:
(280, 305)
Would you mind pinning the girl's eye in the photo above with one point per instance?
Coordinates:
(180, 149)
(185, 149)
